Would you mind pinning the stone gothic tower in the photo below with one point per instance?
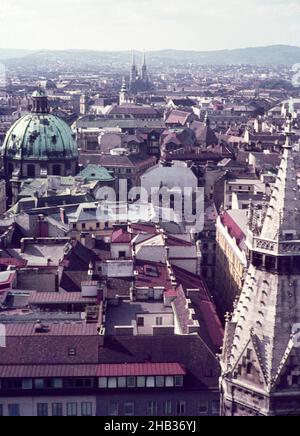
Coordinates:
(145, 77)
(261, 353)
(134, 70)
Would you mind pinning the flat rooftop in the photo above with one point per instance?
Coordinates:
(126, 312)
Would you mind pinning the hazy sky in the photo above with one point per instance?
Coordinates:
(149, 24)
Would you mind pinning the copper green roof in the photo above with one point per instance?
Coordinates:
(95, 172)
(40, 137)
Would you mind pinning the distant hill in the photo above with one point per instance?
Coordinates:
(7, 53)
(271, 55)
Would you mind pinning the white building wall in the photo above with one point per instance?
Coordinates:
(28, 405)
(118, 268)
(117, 248)
(150, 322)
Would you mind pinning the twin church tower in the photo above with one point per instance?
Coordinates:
(139, 80)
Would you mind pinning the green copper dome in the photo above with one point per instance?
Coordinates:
(40, 135)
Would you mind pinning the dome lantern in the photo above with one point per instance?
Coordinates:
(40, 102)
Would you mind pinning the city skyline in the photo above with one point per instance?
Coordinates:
(196, 25)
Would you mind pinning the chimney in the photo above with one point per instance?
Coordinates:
(42, 227)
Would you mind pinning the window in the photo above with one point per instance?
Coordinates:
(83, 226)
(74, 226)
(122, 254)
(72, 409)
(112, 382)
(181, 408)
(26, 384)
(152, 408)
(160, 382)
(57, 409)
(103, 382)
(54, 383)
(249, 368)
(42, 409)
(122, 382)
(131, 382)
(179, 381)
(10, 169)
(215, 407)
(39, 383)
(159, 321)
(168, 408)
(203, 408)
(141, 382)
(13, 410)
(31, 171)
(1, 409)
(72, 352)
(57, 383)
(150, 382)
(169, 382)
(56, 170)
(140, 322)
(81, 383)
(128, 409)
(86, 409)
(289, 236)
(113, 409)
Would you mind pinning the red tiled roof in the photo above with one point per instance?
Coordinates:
(211, 329)
(151, 274)
(107, 370)
(59, 297)
(178, 117)
(59, 329)
(233, 228)
(140, 369)
(121, 236)
(145, 228)
(32, 371)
